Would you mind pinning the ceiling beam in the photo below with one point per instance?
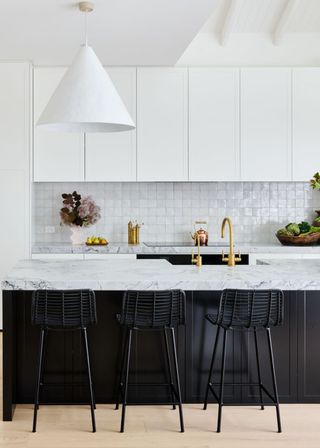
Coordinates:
(229, 22)
(282, 25)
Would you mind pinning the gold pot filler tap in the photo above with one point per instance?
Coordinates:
(198, 259)
(231, 259)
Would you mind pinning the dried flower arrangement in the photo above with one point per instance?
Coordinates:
(77, 211)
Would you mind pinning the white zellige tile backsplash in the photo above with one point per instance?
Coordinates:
(168, 210)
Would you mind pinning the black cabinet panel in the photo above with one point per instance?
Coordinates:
(296, 350)
(309, 346)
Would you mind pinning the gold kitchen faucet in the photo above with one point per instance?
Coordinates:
(231, 259)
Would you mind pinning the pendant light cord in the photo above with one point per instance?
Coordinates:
(86, 28)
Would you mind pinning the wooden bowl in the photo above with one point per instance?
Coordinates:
(307, 240)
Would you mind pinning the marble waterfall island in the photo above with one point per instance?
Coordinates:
(120, 275)
(295, 342)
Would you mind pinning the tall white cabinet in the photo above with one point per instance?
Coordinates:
(112, 156)
(162, 124)
(214, 124)
(58, 156)
(306, 122)
(265, 129)
(15, 115)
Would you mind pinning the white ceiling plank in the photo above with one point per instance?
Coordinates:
(229, 22)
(284, 21)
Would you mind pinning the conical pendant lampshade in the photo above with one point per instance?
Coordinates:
(86, 100)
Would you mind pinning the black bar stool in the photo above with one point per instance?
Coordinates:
(246, 310)
(63, 310)
(152, 310)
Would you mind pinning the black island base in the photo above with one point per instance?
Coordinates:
(295, 343)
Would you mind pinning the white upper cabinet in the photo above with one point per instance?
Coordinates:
(112, 156)
(265, 124)
(58, 156)
(162, 124)
(214, 124)
(306, 123)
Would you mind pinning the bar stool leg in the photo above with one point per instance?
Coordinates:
(125, 394)
(92, 405)
(211, 368)
(176, 368)
(36, 400)
(223, 364)
(43, 363)
(258, 366)
(123, 357)
(169, 368)
(274, 381)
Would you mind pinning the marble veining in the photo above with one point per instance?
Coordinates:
(159, 274)
(123, 248)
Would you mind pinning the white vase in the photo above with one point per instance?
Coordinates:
(77, 235)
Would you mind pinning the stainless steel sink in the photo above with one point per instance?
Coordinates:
(187, 244)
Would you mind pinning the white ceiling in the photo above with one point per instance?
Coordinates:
(258, 32)
(262, 16)
(164, 32)
(122, 32)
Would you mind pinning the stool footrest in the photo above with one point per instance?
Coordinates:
(246, 404)
(172, 387)
(265, 390)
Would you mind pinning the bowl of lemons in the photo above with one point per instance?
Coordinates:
(96, 241)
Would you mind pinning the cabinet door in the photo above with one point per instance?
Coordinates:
(214, 124)
(265, 124)
(306, 122)
(162, 124)
(58, 156)
(112, 156)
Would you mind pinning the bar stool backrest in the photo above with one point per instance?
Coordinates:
(153, 309)
(64, 309)
(250, 308)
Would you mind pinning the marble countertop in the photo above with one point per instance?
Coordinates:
(143, 248)
(159, 274)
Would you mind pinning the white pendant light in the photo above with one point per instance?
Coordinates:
(86, 99)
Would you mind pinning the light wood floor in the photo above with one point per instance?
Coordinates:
(158, 427)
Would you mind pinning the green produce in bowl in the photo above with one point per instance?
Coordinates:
(304, 227)
(293, 228)
(312, 230)
(284, 232)
(299, 230)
